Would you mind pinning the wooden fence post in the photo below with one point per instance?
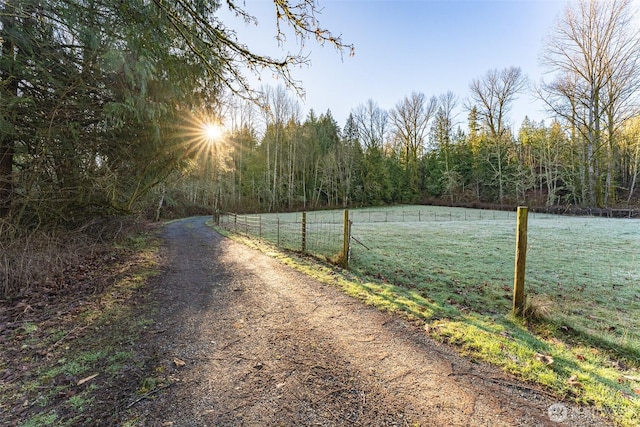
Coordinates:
(304, 231)
(521, 258)
(346, 240)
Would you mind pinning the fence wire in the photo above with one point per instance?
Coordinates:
(323, 236)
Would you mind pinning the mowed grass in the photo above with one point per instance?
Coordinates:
(453, 269)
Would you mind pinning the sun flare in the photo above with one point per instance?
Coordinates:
(204, 136)
(212, 132)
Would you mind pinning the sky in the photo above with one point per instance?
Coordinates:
(401, 46)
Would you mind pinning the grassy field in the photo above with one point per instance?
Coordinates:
(453, 268)
(586, 271)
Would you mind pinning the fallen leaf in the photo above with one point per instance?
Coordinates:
(179, 362)
(574, 382)
(627, 394)
(580, 357)
(630, 378)
(89, 378)
(619, 365)
(543, 358)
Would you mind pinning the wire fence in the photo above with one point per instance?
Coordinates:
(321, 233)
(563, 251)
(313, 234)
(427, 215)
(596, 263)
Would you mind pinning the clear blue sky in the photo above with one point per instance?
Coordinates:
(429, 46)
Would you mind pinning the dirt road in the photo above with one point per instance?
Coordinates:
(246, 341)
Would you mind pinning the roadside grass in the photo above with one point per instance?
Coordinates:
(64, 365)
(456, 276)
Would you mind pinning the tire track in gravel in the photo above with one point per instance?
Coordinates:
(264, 345)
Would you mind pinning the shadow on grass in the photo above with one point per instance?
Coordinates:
(629, 352)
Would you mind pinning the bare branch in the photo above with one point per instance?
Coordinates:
(494, 95)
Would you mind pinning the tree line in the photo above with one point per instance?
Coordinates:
(95, 96)
(412, 154)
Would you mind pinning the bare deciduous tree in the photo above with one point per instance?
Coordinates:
(594, 50)
(493, 96)
(279, 108)
(372, 124)
(410, 119)
(444, 120)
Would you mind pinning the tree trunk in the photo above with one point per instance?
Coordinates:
(634, 175)
(6, 175)
(6, 140)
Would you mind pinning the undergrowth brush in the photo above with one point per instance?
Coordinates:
(68, 333)
(36, 260)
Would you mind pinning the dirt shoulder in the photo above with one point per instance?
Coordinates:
(240, 339)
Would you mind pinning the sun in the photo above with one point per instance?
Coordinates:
(212, 132)
(203, 136)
